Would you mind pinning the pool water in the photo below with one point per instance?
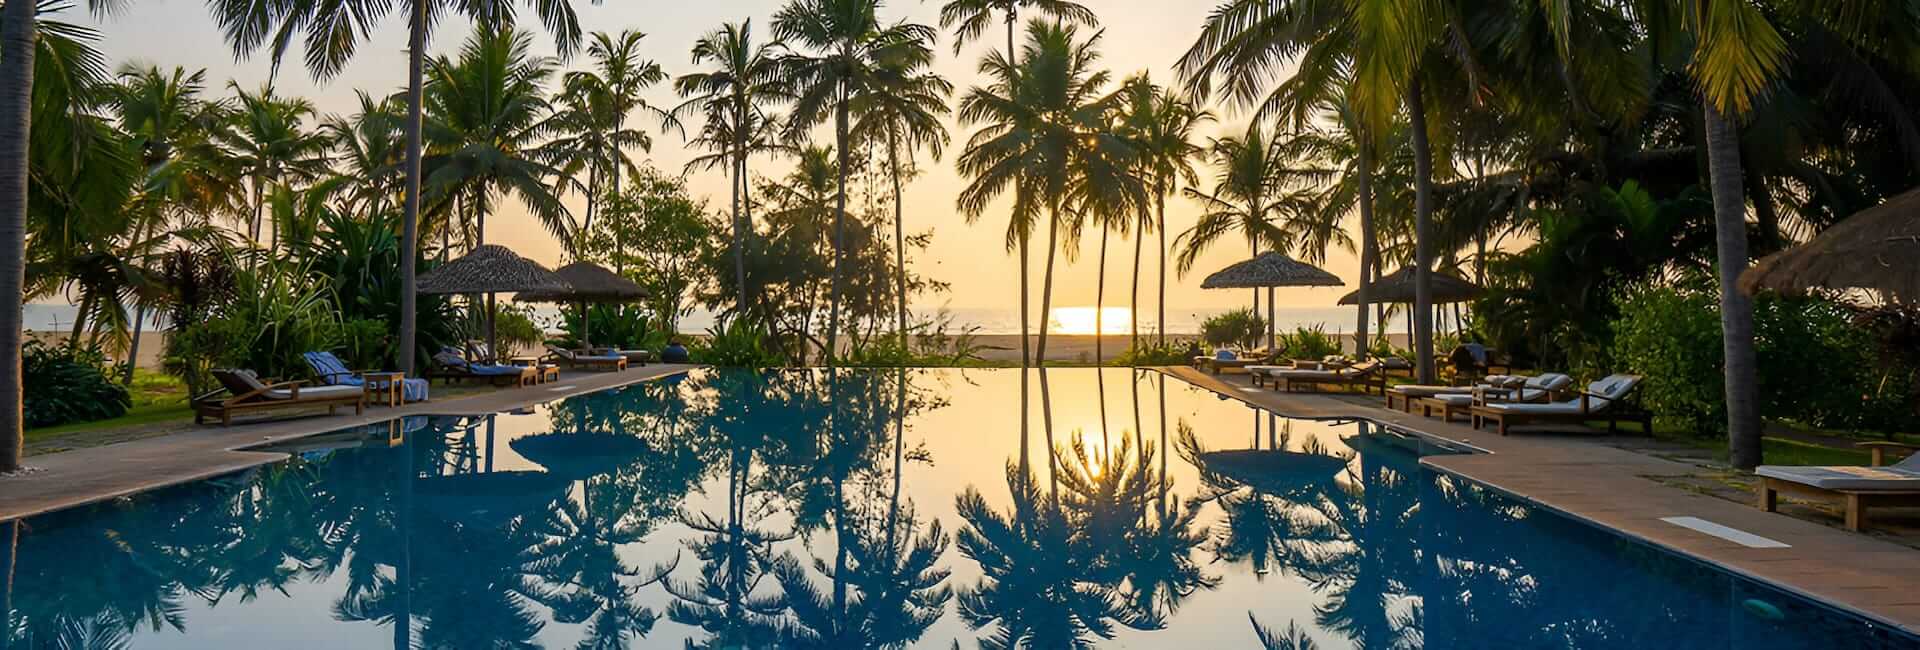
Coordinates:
(869, 509)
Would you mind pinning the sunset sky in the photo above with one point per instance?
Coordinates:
(1139, 35)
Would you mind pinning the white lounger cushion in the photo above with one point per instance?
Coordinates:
(1453, 399)
(1412, 390)
(1551, 408)
(307, 392)
(1859, 479)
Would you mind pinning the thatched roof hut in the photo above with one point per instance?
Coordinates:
(1397, 288)
(1877, 248)
(588, 282)
(490, 269)
(1270, 270)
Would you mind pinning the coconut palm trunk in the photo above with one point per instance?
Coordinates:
(1422, 315)
(16, 114)
(410, 228)
(1046, 294)
(1367, 249)
(1133, 305)
(1026, 320)
(1160, 322)
(839, 229)
(1100, 304)
(739, 200)
(899, 243)
(1736, 309)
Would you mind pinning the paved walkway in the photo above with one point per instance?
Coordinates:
(1612, 487)
(82, 476)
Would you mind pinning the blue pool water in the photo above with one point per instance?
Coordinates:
(869, 509)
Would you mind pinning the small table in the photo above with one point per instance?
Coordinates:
(543, 373)
(385, 387)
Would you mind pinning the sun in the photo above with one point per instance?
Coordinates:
(1080, 320)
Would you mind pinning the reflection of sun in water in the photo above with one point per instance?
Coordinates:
(1080, 320)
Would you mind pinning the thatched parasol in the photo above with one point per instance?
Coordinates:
(1397, 288)
(1877, 248)
(588, 283)
(1269, 270)
(490, 269)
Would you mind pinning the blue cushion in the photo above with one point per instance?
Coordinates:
(331, 370)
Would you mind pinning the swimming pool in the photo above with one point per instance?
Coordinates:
(870, 509)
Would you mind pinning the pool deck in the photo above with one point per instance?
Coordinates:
(1614, 488)
(71, 478)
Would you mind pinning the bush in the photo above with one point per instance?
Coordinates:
(1310, 343)
(62, 385)
(625, 326)
(1816, 365)
(736, 343)
(1240, 327)
(1150, 353)
(365, 343)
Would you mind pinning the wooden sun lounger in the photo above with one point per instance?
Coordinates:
(1603, 400)
(578, 358)
(1858, 490)
(1366, 375)
(250, 395)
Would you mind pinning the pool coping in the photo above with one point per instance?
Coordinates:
(1906, 621)
(81, 477)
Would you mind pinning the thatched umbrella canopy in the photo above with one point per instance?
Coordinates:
(1269, 270)
(1397, 288)
(1877, 248)
(588, 283)
(489, 270)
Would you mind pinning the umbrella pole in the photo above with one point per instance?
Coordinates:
(1270, 325)
(586, 327)
(493, 344)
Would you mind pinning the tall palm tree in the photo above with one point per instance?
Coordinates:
(1044, 135)
(249, 25)
(843, 50)
(903, 110)
(1259, 190)
(969, 19)
(269, 144)
(1161, 124)
(369, 150)
(732, 97)
(26, 44)
(484, 123)
(592, 110)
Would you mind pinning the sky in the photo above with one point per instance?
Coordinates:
(1138, 35)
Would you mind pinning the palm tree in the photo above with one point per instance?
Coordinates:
(846, 49)
(1044, 136)
(1161, 124)
(250, 24)
(27, 43)
(969, 19)
(591, 116)
(484, 121)
(745, 80)
(903, 111)
(269, 144)
(369, 151)
(1258, 192)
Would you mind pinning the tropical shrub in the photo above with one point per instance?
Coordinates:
(1310, 343)
(365, 343)
(516, 329)
(1818, 365)
(1150, 353)
(736, 343)
(627, 326)
(1240, 327)
(62, 385)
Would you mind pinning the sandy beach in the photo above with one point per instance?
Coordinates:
(1080, 348)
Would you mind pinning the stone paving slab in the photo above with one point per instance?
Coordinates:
(1582, 478)
(82, 476)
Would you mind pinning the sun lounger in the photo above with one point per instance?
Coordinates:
(1602, 400)
(577, 358)
(1404, 396)
(1857, 488)
(634, 357)
(246, 392)
(1492, 389)
(333, 372)
(449, 366)
(1365, 374)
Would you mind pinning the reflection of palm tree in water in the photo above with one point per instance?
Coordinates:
(576, 566)
(1348, 539)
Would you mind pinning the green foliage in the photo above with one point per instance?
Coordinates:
(515, 327)
(1817, 365)
(365, 342)
(358, 259)
(1240, 327)
(929, 342)
(736, 343)
(652, 232)
(1310, 343)
(62, 385)
(1150, 353)
(625, 326)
